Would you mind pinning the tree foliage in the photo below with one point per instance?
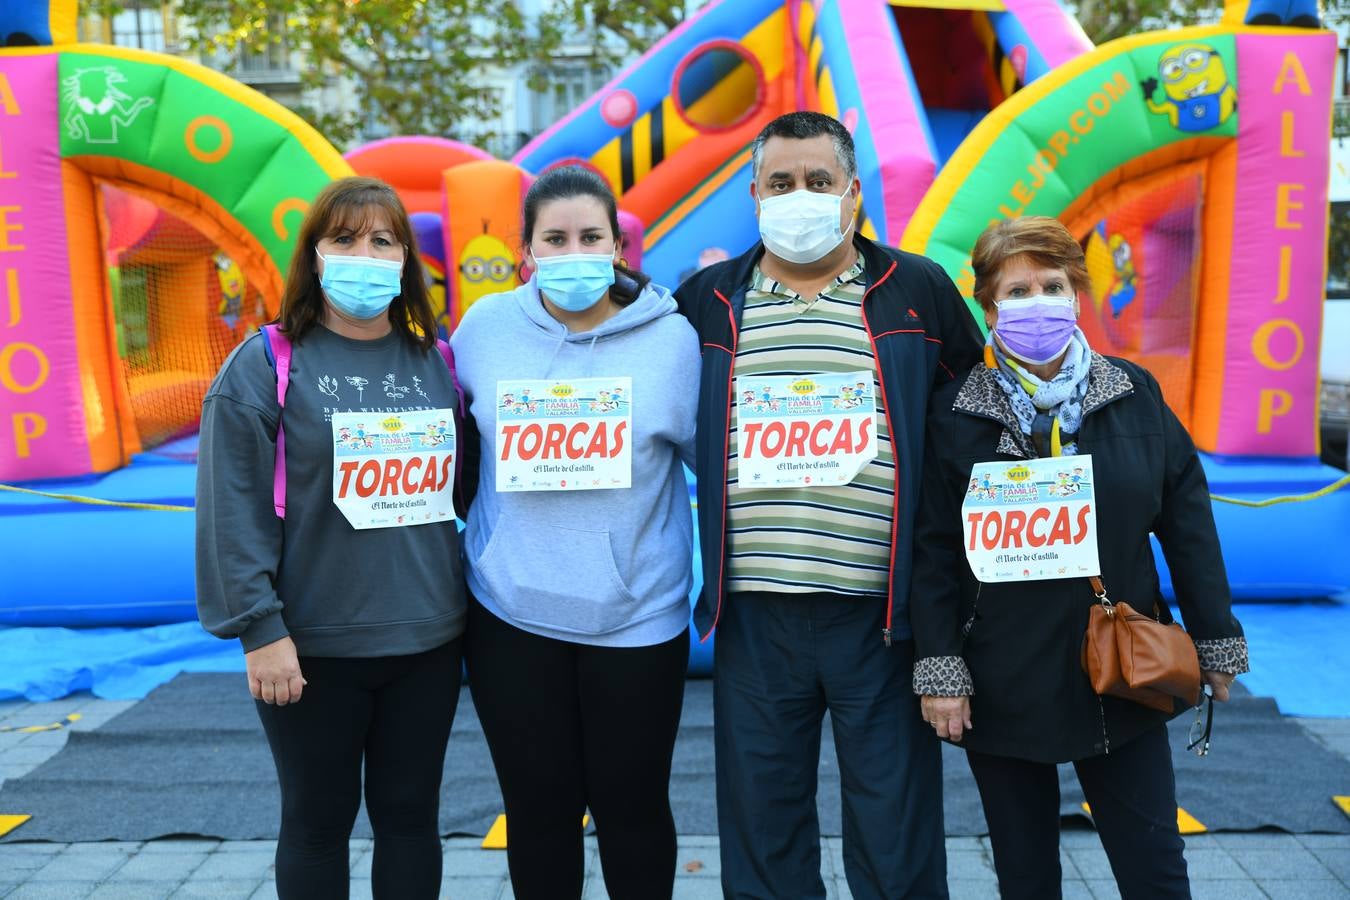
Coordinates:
(1105, 20)
(416, 65)
(413, 65)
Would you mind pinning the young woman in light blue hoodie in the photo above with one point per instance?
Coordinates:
(583, 387)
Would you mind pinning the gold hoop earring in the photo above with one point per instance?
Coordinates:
(623, 262)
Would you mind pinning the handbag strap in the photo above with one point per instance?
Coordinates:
(1099, 591)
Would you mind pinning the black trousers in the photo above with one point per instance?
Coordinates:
(782, 661)
(571, 727)
(392, 713)
(1133, 795)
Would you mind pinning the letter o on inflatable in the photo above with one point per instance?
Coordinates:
(1261, 344)
(208, 156)
(7, 378)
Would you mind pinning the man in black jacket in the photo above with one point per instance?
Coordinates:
(808, 582)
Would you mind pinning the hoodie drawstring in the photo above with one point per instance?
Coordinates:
(557, 348)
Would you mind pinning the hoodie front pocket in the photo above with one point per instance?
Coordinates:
(555, 577)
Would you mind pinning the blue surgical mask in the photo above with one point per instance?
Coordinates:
(574, 282)
(360, 286)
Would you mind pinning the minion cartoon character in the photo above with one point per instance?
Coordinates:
(486, 266)
(1126, 282)
(1197, 93)
(434, 273)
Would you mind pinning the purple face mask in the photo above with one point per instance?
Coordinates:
(1036, 330)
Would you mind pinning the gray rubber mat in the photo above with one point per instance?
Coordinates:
(191, 759)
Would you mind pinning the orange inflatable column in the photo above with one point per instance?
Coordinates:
(482, 233)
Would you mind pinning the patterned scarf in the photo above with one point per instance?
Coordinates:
(1061, 397)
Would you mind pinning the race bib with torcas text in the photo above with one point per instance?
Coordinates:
(565, 435)
(1030, 520)
(392, 470)
(804, 430)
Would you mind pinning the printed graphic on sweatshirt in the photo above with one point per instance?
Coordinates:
(804, 430)
(388, 388)
(395, 469)
(1031, 520)
(565, 435)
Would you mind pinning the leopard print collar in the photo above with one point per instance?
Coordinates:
(981, 396)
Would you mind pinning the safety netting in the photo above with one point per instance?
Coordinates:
(179, 306)
(1143, 260)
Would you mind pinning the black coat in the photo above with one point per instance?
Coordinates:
(1021, 642)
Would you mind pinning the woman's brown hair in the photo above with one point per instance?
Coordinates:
(1041, 239)
(564, 183)
(346, 206)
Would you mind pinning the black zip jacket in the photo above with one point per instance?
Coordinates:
(922, 336)
(1015, 648)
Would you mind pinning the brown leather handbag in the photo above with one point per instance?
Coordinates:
(1134, 656)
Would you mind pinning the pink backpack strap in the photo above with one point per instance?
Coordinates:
(278, 348)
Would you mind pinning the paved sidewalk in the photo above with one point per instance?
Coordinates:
(1222, 866)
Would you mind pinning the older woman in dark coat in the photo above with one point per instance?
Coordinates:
(998, 664)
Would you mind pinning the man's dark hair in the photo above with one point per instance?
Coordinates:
(802, 126)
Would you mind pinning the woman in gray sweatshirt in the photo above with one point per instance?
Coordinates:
(335, 561)
(583, 387)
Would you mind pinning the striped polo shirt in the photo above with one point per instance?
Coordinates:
(810, 539)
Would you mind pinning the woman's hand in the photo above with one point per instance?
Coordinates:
(949, 716)
(1218, 683)
(274, 673)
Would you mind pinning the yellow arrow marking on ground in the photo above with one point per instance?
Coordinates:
(55, 726)
(9, 823)
(496, 836)
(1186, 823)
(1342, 802)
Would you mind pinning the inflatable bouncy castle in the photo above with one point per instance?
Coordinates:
(671, 133)
(1192, 163)
(147, 214)
(163, 197)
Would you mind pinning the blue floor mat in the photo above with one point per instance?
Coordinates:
(115, 663)
(1298, 652)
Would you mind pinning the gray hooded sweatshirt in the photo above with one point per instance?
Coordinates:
(608, 567)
